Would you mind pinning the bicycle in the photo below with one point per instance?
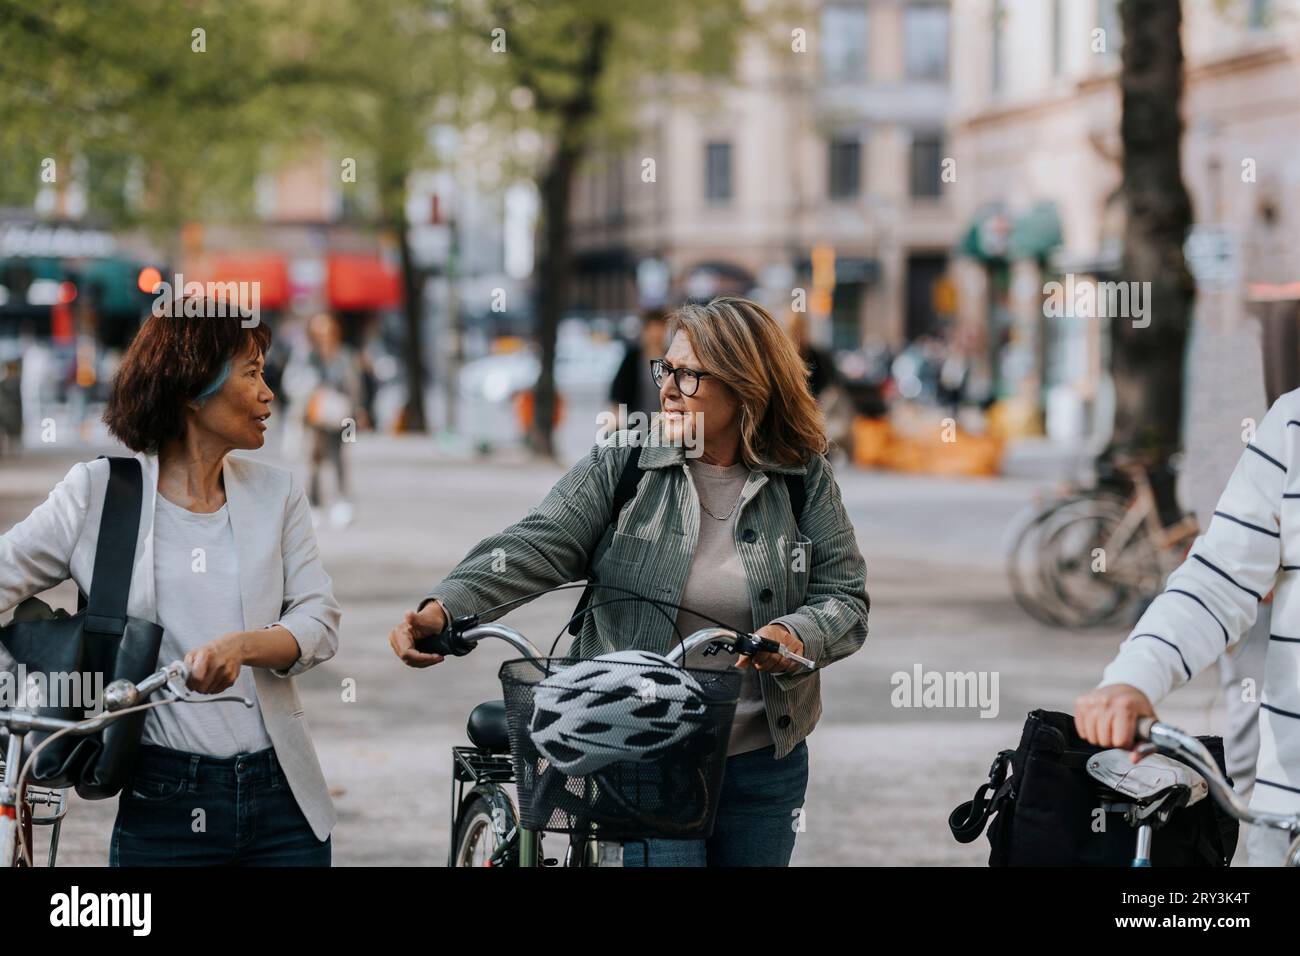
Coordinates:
(1156, 737)
(1090, 557)
(120, 698)
(486, 828)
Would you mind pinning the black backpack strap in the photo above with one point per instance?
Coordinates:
(624, 492)
(794, 486)
(119, 526)
(967, 821)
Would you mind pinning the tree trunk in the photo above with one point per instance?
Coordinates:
(414, 419)
(553, 289)
(1147, 350)
(556, 263)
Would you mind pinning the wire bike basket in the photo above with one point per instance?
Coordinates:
(676, 721)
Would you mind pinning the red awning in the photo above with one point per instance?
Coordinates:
(361, 281)
(267, 269)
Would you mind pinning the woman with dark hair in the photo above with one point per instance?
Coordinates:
(226, 563)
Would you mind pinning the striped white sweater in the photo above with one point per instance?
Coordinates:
(1251, 547)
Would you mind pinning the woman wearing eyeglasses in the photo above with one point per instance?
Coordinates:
(711, 528)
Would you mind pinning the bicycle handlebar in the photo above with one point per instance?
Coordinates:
(463, 634)
(1172, 742)
(118, 696)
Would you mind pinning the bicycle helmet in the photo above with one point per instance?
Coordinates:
(628, 705)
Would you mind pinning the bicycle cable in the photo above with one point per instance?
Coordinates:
(658, 603)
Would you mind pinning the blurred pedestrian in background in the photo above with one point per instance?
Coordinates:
(633, 388)
(323, 378)
(11, 407)
(824, 381)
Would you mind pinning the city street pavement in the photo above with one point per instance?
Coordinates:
(883, 779)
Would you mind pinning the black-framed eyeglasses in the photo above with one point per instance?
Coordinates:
(688, 379)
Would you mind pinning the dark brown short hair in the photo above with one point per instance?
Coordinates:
(170, 362)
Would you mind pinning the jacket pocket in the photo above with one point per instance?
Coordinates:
(627, 549)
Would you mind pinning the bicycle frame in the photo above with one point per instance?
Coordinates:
(120, 698)
(20, 723)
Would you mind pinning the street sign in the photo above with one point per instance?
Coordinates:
(1213, 255)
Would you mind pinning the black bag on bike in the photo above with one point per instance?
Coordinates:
(98, 643)
(1045, 811)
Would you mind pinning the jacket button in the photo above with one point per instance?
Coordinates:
(749, 537)
(765, 595)
(783, 721)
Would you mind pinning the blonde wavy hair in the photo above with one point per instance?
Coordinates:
(739, 343)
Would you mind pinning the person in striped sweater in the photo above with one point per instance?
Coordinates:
(1251, 548)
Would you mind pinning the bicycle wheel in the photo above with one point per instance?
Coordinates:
(1035, 594)
(1092, 587)
(482, 826)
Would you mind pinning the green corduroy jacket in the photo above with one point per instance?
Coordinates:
(810, 578)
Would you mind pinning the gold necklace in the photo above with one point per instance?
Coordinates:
(706, 510)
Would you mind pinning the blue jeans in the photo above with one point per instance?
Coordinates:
(183, 809)
(758, 816)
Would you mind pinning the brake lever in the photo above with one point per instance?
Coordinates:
(791, 655)
(190, 698)
(754, 644)
(1144, 750)
(183, 695)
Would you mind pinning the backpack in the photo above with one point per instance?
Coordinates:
(625, 491)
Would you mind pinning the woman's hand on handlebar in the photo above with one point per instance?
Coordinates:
(214, 667)
(771, 660)
(1108, 716)
(416, 625)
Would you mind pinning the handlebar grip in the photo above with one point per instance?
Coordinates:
(448, 641)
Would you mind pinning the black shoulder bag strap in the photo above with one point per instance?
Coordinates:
(794, 485)
(624, 492)
(119, 527)
(967, 821)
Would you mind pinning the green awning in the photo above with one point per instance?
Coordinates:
(41, 267)
(994, 235)
(986, 237)
(1036, 233)
(115, 282)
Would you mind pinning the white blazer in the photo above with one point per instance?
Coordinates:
(281, 581)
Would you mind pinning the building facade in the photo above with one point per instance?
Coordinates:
(1035, 135)
(817, 172)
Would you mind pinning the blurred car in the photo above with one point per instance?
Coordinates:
(584, 366)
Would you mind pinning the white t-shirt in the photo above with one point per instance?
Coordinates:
(196, 576)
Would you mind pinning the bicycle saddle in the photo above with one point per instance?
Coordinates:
(1147, 781)
(486, 727)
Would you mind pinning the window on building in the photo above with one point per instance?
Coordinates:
(927, 165)
(1258, 15)
(925, 42)
(846, 316)
(999, 42)
(1113, 28)
(614, 186)
(844, 42)
(845, 168)
(717, 172)
(1058, 38)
